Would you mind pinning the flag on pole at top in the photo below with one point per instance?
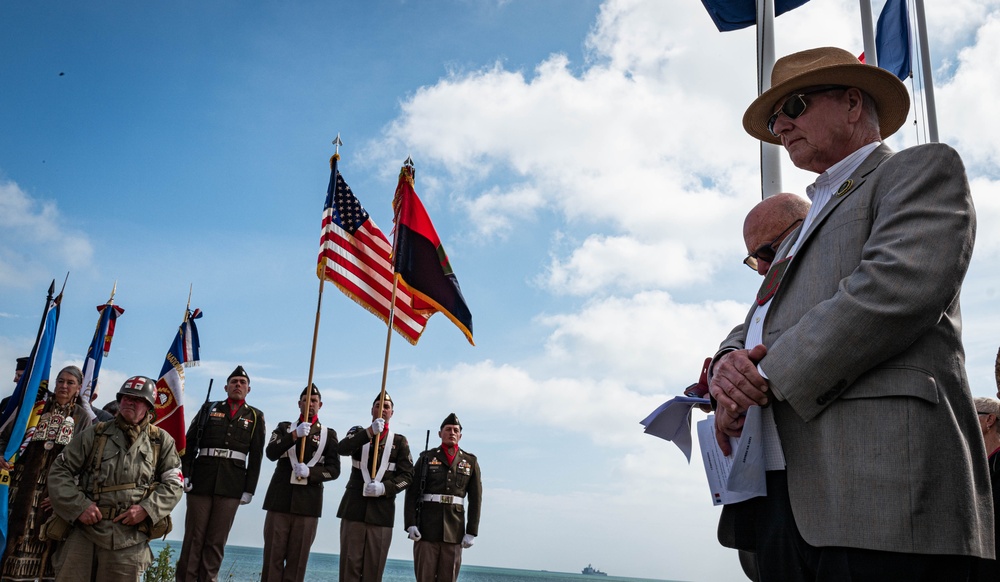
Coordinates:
(100, 346)
(183, 352)
(892, 39)
(355, 256)
(736, 14)
(420, 260)
(21, 413)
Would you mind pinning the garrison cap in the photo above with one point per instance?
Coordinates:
(22, 364)
(239, 372)
(451, 419)
(315, 391)
(387, 399)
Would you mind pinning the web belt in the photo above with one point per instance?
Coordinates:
(435, 498)
(223, 453)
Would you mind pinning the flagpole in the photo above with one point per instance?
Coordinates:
(385, 368)
(319, 306)
(868, 33)
(770, 154)
(925, 68)
(388, 333)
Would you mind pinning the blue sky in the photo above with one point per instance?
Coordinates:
(585, 167)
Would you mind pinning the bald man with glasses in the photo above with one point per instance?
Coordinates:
(768, 224)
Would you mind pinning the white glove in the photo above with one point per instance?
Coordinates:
(378, 425)
(245, 498)
(414, 533)
(468, 540)
(187, 485)
(374, 489)
(303, 429)
(301, 470)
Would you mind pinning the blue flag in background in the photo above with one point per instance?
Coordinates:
(736, 14)
(892, 39)
(21, 403)
(99, 347)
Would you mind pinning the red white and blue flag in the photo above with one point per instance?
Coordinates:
(184, 352)
(100, 346)
(892, 39)
(356, 257)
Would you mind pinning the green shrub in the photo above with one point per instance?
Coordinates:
(162, 569)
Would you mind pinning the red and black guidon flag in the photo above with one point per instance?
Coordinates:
(420, 262)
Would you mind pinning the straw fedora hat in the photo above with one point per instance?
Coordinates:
(828, 66)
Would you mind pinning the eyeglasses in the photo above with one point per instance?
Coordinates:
(767, 252)
(794, 106)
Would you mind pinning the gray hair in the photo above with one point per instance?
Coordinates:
(73, 371)
(988, 405)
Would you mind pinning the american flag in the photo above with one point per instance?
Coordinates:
(355, 256)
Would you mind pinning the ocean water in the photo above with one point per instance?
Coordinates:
(243, 564)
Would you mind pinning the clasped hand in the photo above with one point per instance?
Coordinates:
(736, 386)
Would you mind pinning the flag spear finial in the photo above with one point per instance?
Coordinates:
(409, 162)
(66, 280)
(111, 300)
(187, 310)
(336, 147)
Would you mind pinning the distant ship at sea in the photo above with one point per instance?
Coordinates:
(590, 570)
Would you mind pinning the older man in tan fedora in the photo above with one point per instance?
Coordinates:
(853, 344)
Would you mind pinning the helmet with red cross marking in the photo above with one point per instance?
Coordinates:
(140, 387)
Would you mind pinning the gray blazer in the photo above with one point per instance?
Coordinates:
(881, 439)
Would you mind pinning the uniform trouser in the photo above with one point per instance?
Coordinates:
(206, 529)
(287, 539)
(436, 561)
(80, 560)
(363, 551)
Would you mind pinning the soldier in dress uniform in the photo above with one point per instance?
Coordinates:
(294, 499)
(117, 483)
(435, 514)
(221, 467)
(368, 507)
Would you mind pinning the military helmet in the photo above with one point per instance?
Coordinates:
(140, 387)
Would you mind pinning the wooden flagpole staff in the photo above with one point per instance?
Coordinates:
(388, 338)
(385, 371)
(319, 304)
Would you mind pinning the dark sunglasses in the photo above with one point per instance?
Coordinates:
(767, 252)
(795, 105)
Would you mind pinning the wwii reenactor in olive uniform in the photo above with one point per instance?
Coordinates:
(221, 469)
(368, 508)
(294, 499)
(434, 514)
(116, 483)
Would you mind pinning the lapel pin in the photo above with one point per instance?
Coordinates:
(844, 188)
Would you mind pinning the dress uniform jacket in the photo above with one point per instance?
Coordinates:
(442, 521)
(120, 464)
(215, 471)
(305, 499)
(379, 511)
